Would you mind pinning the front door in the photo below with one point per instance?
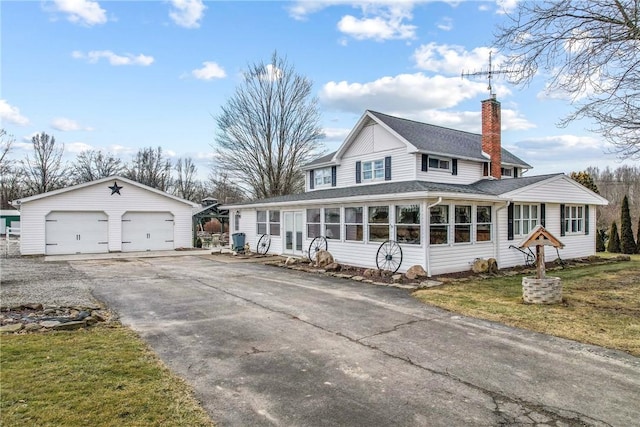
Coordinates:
(293, 233)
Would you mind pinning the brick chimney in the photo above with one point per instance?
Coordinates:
(491, 135)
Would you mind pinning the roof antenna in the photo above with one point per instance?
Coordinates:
(489, 73)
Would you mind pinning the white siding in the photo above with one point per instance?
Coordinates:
(99, 198)
(468, 172)
(402, 167)
(458, 257)
(560, 190)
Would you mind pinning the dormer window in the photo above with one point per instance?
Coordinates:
(373, 170)
(322, 177)
(507, 172)
(439, 163)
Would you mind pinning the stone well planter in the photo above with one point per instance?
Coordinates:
(541, 291)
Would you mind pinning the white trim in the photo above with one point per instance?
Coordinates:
(599, 200)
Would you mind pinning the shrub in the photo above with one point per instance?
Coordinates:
(627, 243)
(601, 237)
(613, 245)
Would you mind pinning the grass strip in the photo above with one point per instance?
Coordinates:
(601, 304)
(104, 376)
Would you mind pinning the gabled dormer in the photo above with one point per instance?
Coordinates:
(383, 148)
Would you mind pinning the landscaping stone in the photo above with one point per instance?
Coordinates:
(334, 266)
(430, 283)
(32, 327)
(291, 261)
(49, 323)
(357, 278)
(69, 326)
(396, 278)
(415, 271)
(324, 258)
(10, 328)
(371, 272)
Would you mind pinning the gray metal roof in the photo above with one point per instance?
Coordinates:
(323, 159)
(486, 187)
(441, 140)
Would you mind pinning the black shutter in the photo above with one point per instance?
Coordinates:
(562, 230)
(510, 222)
(454, 166)
(586, 219)
(311, 180)
(333, 176)
(387, 168)
(543, 215)
(515, 172)
(425, 163)
(485, 169)
(358, 172)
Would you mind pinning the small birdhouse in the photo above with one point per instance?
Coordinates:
(540, 237)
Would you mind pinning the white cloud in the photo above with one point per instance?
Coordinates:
(127, 59)
(187, 13)
(402, 93)
(76, 147)
(506, 6)
(336, 133)
(121, 149)
(64, 125)
(209, 71)
(445, 24)
(12, 114)
(453, 59)
(85, 12)
(377, 28)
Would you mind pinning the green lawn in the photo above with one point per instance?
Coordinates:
(601, 304)
(103, 376)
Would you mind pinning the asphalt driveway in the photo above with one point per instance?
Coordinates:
(268, 346)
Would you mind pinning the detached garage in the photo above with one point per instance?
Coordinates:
(111, 214)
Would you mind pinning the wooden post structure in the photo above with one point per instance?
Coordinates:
(540, 237)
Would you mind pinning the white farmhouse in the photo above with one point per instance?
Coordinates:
(444, 197)
(112, 214)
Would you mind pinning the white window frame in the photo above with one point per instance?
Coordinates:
(507, 172)
(274, 226)
(439, 224)
(401, 224)
(441, 162)
(354, 224)
(262, 224)
(522, 215)
(483, 223)
(322, 177)
(313, 223)
(332, 228)
(373, 167)
(457, 224)
(378, 224)
(573, 219)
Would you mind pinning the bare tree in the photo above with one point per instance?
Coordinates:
(589, 48)
(186, 185)
(614, 185)
(150, 167)
(269, 129)
(44, 171)
(223, 189)
(6, 142)
(94, 164)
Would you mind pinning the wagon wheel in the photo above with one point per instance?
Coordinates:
(389, 256)
(317, 244)
(263, 244)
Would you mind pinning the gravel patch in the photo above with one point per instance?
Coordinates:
(30, 280)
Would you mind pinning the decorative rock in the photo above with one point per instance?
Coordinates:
(343, 276)
(69, 326)
(291, 261)
(49, 323)
(31, 327)
(430, 284)
(91, 320)
(415, 271)
(370, 272)
(324, 258)
(10, 328)
(99, 315)
(480, 265)
(396, 278)
(493, 266)
(357, 278)
(334, 266)
(33, 306)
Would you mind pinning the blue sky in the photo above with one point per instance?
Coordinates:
(121, 75)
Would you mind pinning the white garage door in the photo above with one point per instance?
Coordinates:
(76, 232)
(147, 231)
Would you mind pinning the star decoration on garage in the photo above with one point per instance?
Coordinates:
(115, 189)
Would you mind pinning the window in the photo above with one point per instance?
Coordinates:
(313, 223)
(322, 177)
(274, 223)
(573, 219)
(462, 225)
(483, 224)
(378, 223)
(236, 221)
(436, 163)
(439, 228)
(353, 224)
(373, 170)
(525, 218)
(332, 223)
(261, 222)
(507, 171)
(408, 224)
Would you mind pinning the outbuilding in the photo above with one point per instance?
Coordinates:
(113, 214)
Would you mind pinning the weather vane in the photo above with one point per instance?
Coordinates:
(489, 73)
